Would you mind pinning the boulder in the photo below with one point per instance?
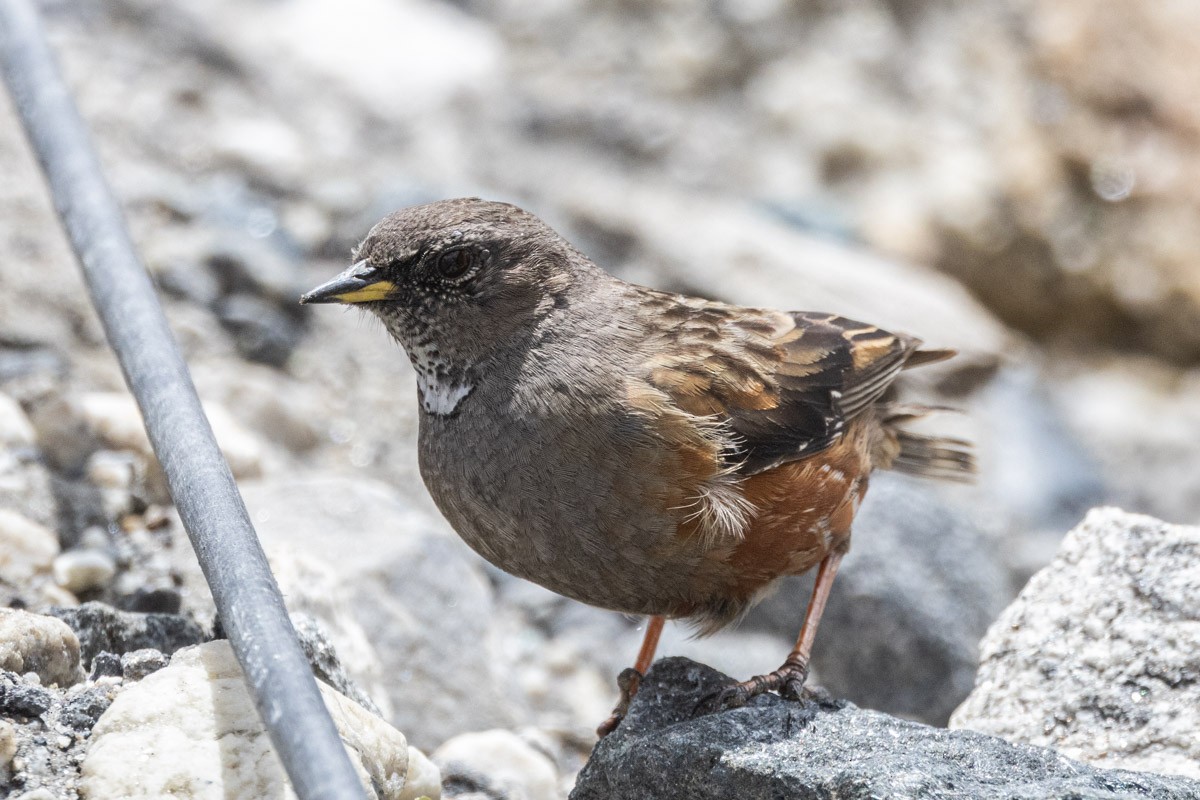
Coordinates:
(1099, 656)
(671, 747)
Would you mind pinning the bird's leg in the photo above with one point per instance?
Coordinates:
(630, 680)
(789, 679)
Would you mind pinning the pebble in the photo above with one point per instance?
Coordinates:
(496, 764)
(26, 548)
(41, 645)
(83, 570)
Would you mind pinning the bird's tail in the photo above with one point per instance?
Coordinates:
(942, 457)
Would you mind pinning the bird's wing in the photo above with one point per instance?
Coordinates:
(784, 384)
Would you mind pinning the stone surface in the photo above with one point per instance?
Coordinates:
(415, 590)
(821, 749)
(84, 569)
(920, 585)
(138, 664)
(102, 627)
(15, 428)
(41, 645)
(190, 730)
(22, 698)
(26, 547)
(495, 765)
(8, 749)
(1099, 656)
(73, 430)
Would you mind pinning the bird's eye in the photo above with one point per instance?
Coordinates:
(455, 263)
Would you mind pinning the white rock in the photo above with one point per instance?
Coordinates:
(81, 570)
(191, 730)
(15, 429)
(41, 645)
(1098, 656)
(499, 762)
(413, 55)
(26, 548)
(114, 418)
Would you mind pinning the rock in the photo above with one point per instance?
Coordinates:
(404, 63)
(261, 331)
(102, 627)
(22, 699)
(26, 483)
(1142, 422)
(106, 665)
(117, 475)
(15, 428)
(8, 749)
(495, 765)
(325, 662)
(919, 587)
(774, 748)
(112, 420)
(425, 606)
(81, 710)
(39, 644)
(26, 548)
(1099, 656)
(84, 570)
(191, 730)
(140, 663)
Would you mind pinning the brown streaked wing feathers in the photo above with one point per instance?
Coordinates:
(786, 384)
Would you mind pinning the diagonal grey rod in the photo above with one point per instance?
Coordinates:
(246, 595)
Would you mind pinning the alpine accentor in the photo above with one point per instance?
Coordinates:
(646, 452)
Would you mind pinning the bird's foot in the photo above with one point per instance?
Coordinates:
(629, 681)
(788, 680)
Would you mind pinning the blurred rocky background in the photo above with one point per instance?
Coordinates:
(1019, 179)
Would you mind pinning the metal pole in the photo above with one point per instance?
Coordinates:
(246, 595)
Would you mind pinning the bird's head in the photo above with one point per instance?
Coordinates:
(468, 276)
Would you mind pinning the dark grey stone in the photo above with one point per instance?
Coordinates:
(261, 331)
(22, 699)
(106, 664)
(914, 596)
(671, 747)
(81, 711)
(102, 627)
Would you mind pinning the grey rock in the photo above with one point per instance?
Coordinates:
(261, 331)
(22, 699)
(106, 665)
(325, 662)
(140, 663)
(80, 711)
(1099, 655)
(102, 627)
(669, 747)
(918, 589)
(413, 588)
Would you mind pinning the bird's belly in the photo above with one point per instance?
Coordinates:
(581, 525)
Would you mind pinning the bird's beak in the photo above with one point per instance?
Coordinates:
(362, 283)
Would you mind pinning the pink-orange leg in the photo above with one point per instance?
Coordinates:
(789, 679)
(631, 679)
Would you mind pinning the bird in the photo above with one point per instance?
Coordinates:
(638, 450)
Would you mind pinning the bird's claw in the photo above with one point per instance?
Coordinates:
(629, 681)
(788, 680)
